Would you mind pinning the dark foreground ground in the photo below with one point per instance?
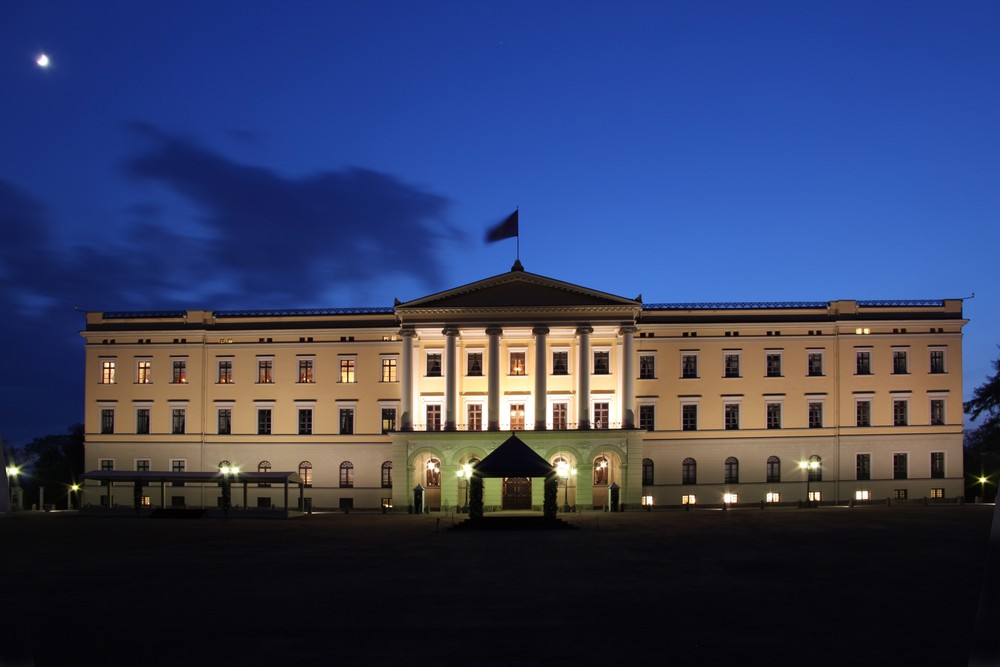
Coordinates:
(863, 586)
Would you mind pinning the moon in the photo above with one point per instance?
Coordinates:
(42, 60)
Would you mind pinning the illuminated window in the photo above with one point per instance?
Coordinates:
(647, 416)
(937, 361)
(387, 475)
(899, 494)
(144, 501)
(815, 364)
(863, 362)
(863, 470)
(732, 471)
(937, 493)
(602, 362)
(517, 416)
(305, 421)
(306, 473)
(815, 496)
(518, 363)
(144, 371)
(732, 416)
(474, 364)
(772, 497)
(177, 420)
(937, 465)
(937, 412)
(433, 417)
(815, 415)
(647, 472)
(434, 364)
(142, 421)
(179, 373)
(689, 499)
(107, 420)
(560, 363)
(773, 469)
(863, 411)
(346, 475)
(347, 370)
(774, 415)
(862, 494)
(306, 368)
(689, 471)
(601, 466)
(815, 469)
(647, 501)
(108, 372)
(647, 367)
(475, 417)
(689, 365)
(225, 421)
(142, 465)
(559, 416)
(265, 371)
(730, 498)
(389, 367)
(225, 371)
(732, 364)
(773, 364)
(689, 417)
(264, 421)
(346, 421)
(388, 420)
(433, 473)
(899, 466)
(601, 412)
(899, 362)
(899, 410)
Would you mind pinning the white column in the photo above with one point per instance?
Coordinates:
(450, 378)
(493, 386)
(583, 378)
(541, 366)
(406, 381)
(628, 376)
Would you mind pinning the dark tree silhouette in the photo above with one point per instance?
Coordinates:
(982, 445)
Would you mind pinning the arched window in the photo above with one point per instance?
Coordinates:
(773, 469)
(815, 471)
(346, 475)
(732, 470)
(433, 473)
(306, 473)
(647, 472)
(601, 465)
(689, 471)
(387, 475)
(264, 466)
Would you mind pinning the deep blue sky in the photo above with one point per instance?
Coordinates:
(265, 154)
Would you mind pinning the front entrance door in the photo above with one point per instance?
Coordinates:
(516, 493)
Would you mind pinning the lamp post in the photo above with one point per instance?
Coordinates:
(808, 467)
(74, 488)
(12, 473)
(226, 471)
(565, 472)
(466, 473)
(982, 487)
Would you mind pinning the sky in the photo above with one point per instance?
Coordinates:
(248, 154)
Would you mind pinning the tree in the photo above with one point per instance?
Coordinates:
(982, 445)
(54, 462)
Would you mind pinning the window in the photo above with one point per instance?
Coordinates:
(387, 475)
(774, 415)
(346, 421)
(474, 364)
(862, 494)
(732, 470)
(144, 371)
(647, 472)
(732, 416)
(107, 420)
(937, 465)
(264, 421)
(601, 411)
(815, 415)
(772, 497)
(899, 365)
(815, 364)
(108, 372)
(177, 418)
(559, 416)
(689, 417)
(347, 370)
(689, 471)
(815, 469)
(602, 362)
(773, 469)
(863, 362)
(306, 368)
(899, 494)
(899, 468)
(475, 417)
(732, 365)
(647, 367)
(225, 421)
(178, 465)
(179, 374)
(142, 465)
(560, 363)
(517, 416)
(601, 468)
(388, 420)
(142, 421)
(773, 364)
(689, 365)
(305, 421)
(264, 466)
(863, 410)
(937, 361)
(434, 364)
(265, 371)
(689, 499)
(937, 493)
(647, 417)
(107, 465)
(433, 417)
(346, 475)
(518, 363)
(937, 412)
(863, 470)
(389, 369)
(225, 371)
(433, 476)
(306, 473)
(899, 410)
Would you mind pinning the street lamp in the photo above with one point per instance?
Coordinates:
(226, 471)
(565, 472)
(74, 488)
(808, 467)
(12, 473)
(982, 487)
(466, 473)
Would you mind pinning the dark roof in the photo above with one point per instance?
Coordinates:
(513, 459)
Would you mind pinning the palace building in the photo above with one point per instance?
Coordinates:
(659, 404)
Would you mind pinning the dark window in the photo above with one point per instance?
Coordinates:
(602, 362)
(559, 420)
(107, 420)
(863, 365)
(864, 467)
(815, 472)
(177, 420)
(864, 413)
(178, 465)
(689, 471)
(346, 475)
(346, 421)
(899, 410)
(387, 475)
(689, 366)
(305, 421)
(937, 412)
(264, 421)
(560, 363)
(937, 465)
(773, 365)
(899, 470)
(225, 421)
(434, 364)
(774, 415)
(647, 472)
(732, 416)
(475, 417)
(433, 417)
(899, 494)
(732, 471)
(306, 473)
(815, 415)
(937, 361)
(388, 420)
(815, 364)
(475, 364)
(899, 365)
(142, 465)
(142, 421)
(689, 417)
(647, 367)
(601, 411)
(264, 466)
(773, 469)
(647, 417)
(732, 365)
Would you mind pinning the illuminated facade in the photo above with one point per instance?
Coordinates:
(673, 403)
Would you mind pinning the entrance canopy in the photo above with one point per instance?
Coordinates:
(513, 459)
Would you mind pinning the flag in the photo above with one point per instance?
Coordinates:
(505, 230)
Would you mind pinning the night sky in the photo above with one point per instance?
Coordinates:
(275, 155)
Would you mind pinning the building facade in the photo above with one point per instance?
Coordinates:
(672, 403)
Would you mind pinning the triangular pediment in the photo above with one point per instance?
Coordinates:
(513, 459)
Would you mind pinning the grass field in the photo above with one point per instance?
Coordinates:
(862, 586)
